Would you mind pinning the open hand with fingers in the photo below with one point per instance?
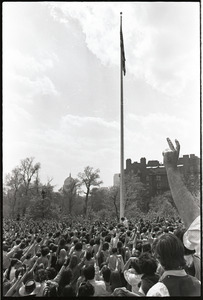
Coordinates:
(171, 155)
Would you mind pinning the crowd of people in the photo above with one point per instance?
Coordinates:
(76, 258)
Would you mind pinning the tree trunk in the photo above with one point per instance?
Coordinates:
(86, 202)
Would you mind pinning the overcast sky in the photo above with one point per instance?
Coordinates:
(61, 84)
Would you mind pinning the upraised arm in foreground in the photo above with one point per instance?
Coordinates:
(184, 201)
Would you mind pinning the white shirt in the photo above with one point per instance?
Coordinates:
(191, 238)
(159, 289)
(99, 287)
(133, 279)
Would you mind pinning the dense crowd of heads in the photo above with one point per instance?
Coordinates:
(75, 257)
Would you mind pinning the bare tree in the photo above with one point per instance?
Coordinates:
(89, 178)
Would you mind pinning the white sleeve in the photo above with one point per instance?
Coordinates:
(191, 238)
(158, 290)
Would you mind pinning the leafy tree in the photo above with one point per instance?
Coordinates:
(12, 185)
(41, 208)
(89, 178)
(163, 205)
(135, 192)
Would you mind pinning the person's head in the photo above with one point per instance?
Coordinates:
(73, 261)
(92, 242)
(65, 279)
(54, 248)
(107, 238)
(86, 289)
(62, 242)
(78, 246)
(170, 252)
(18, 254)
(28, 256)
(44, 251)
(147, 264)
(105, 246)
(106, 273)
(122, 219)
(89, 272)
(68, 291)
(16, 263)
(135, 265)
(119, 244)
(18, 241)
(97, 241)
(42, 275)
(88, 255)
(51, 273)
(5, 248)
(146, 247)
(115, 280)
(62, 253)
(114, 250)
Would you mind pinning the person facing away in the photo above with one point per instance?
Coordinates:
(174, 281)
(99, 285)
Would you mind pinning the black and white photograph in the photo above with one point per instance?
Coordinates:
(101, 149)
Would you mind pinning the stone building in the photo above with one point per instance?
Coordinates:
(153, 173)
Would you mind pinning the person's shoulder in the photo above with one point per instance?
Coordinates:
(159, 290)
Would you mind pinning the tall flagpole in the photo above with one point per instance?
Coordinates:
(122, 62)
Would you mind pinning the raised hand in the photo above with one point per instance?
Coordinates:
(171, 155)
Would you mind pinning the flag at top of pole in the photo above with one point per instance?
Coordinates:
(122, 46)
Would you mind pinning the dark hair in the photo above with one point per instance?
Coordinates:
(68, 291)
(62, 242)
(42, 275)
(51, 273)
(97, 241)
(106, 272)
(73, 261)
(5, 248)
(147, 263)
(54, 248)
(65, 279)
(28, 256)
(86, 289)
(18, 254)
(89, 272)
(119, 244)
(22, 245)
(114, 250)
(13, 262)
(105, 246)
(170, 252)
(91, 242)
(39, 239)
(144, 229)
(88, 255)
(146, 247)
(107, 238)
(44, 251)
(135, 265)
(78, 246)
(115, 280)
(18, 241)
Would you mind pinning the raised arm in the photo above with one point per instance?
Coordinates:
(184, 201)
